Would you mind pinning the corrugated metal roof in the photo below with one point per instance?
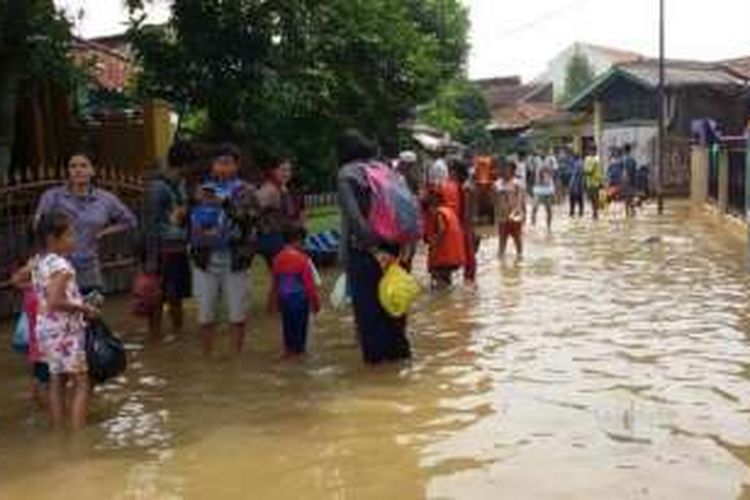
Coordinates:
(682, 73)
(677, 74)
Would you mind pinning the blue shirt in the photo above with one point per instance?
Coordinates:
(615, 173)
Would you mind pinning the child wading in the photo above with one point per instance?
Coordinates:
(61, 320)
(294, 291)
(447, 250)
(39, 370)
(509, 209)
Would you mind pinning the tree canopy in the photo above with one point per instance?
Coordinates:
(289, 75)
(34, 42)
(578, 76)
(460, 109)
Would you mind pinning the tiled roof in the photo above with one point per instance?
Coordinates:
(617, 56)
(522, 115)
(740, 66)
(111, 69)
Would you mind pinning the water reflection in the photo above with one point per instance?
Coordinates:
(612, 362)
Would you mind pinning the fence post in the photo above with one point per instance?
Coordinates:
(723, 179)
(699, 175)
(747, 189)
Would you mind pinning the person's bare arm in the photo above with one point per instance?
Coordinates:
(21, 279)
(58, 299)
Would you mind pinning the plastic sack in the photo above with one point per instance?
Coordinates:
(105, 353)
(397, 291)
(147, 294)
(21, 333)
(340, 297)
(316, 274)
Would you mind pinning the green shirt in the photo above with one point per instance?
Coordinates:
(592, 169)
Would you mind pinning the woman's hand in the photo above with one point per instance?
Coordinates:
(178, 216)
(90, 312)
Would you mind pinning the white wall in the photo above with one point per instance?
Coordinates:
(641, 137)
(557, 67)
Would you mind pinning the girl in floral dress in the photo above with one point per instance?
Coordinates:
(61, 320)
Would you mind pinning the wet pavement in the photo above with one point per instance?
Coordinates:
(613, 362)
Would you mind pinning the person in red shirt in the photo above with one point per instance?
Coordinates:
(294, 291)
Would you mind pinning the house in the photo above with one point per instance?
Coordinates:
(111, 69)
(622, 106)
(600, 58)
(517, 107)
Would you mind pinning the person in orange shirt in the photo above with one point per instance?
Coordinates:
(445, 239)
(460, 193)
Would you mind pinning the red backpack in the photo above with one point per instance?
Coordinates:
(394, 211)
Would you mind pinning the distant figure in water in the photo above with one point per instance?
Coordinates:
(509, 206)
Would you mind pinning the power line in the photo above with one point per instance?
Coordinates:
(548, 16)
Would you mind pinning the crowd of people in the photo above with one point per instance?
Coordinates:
(200, 238)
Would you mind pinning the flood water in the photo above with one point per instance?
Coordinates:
(612, 363)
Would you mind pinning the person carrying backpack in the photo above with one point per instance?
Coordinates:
(165, 255)
(380, 219)
(222, 242)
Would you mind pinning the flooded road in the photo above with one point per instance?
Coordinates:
(612, 363)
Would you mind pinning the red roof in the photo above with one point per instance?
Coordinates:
(522, 114)
(111, 69)
(617, 56)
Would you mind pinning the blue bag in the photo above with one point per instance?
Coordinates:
(21, 330)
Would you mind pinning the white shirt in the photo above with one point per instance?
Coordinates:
(438, 172)
(521, 173)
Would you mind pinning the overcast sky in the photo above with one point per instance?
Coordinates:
(511, 37)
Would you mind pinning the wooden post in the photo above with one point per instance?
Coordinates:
(599, 129)
(157, 129)
(698, 175)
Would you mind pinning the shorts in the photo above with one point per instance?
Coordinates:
(175, 276)
(544, 199)
(40, 372)
(510, 228)
(212, 284)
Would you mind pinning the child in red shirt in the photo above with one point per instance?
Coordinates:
(294, 291)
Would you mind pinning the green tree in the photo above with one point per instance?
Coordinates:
(34, 44)
(289, 75)
(461, 110)
(578, 76)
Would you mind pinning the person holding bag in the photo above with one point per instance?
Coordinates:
(165, 276)
(380, 218)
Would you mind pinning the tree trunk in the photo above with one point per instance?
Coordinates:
(10, 78)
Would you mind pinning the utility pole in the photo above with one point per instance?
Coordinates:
(662, 158)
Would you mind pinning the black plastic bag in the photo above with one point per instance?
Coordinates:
(105, 353)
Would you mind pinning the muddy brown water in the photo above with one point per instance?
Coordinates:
(612, 363)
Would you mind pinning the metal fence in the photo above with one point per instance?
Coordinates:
(18, 199)
(713, 174)
(737, 160)
(320, 200)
